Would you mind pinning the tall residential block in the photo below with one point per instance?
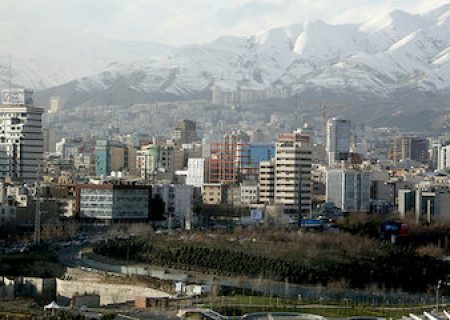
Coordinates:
(293, 165)
(229, 161)
(403, 149)
(267, 182)
(21, 141)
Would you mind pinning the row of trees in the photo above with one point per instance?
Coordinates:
(395, 268)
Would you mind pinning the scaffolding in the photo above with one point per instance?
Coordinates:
(230, 161)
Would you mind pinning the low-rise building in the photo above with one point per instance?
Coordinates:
(249, 193)
(178, 199)
(112, 203)
(214, 193)
(425, 204)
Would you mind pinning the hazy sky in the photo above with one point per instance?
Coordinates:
(191, 21)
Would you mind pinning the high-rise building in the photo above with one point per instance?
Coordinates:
(293, 165)
(405, 149)
(229, 161)
(49, 136)
(349, 189)
(55, 105)
(267, 182)
(21, 141)
(338, 140)
(185, 132)
(102, 158)
(435, 150)
(261, 152)
(443, 158)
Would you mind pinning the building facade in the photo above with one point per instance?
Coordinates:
(178, 199)
(229, 161)
(267, 182)
(349, 189)
(111, 203)
(196, 172)
(404, 149)
(21, 140)
(293, 165)
(338, 140)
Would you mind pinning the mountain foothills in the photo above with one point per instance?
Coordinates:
(399, 51)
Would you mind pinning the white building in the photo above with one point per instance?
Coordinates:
(249, 193)
(178, 199)
(55, 105)
(60, 145)
(267, 181)
(349, 189)
(444, 158)
(338, 140)
(196, 172)
(293, 165)
(21, 141)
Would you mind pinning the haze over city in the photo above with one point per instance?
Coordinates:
(180, 22)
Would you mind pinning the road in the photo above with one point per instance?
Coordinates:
(70, 256)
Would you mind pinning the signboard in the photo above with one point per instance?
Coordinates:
(256, 214)
(17, 96)
(395, 228)
(310, 223)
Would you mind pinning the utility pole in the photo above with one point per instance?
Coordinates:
(37, 218)
(438, 287)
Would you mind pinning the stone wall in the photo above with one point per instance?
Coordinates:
(109, 293)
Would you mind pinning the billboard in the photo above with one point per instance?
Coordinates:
(395, 228)
(256, 215)
(17, 96)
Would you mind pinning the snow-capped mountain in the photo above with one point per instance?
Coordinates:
(396, 51)
(40, 58)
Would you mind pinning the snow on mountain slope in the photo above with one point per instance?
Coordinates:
(399, 50)
(45, 58)
(323, 42)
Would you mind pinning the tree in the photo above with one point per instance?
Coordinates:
(157, 208)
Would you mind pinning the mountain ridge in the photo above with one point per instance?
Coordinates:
(395, 51)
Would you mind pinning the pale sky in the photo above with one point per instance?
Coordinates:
(191, 21)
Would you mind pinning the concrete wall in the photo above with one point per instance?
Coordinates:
(132, 270)
(109, 293)
(43, 290)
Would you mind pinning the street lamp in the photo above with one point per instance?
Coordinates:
(437, 294)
